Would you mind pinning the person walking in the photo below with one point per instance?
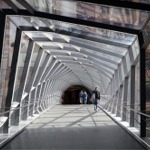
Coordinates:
(96, 97)
(84, 97)
(80, 97)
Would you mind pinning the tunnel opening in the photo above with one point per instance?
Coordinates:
(71, 95)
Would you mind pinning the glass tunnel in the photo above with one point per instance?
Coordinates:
(49, 47)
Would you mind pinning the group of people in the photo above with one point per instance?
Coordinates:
(94, 98)
(83, 97)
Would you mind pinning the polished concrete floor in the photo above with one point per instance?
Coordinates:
(73, 127)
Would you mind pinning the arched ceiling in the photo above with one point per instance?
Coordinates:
(76, 53)
(49, 45)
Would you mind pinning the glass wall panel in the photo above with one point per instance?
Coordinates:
(128, 100)
(38, 89)
(32, 63)
(7, 53)
(41, 64)
(93, 12)
(20, 64)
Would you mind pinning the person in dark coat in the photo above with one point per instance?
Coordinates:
(96, 97)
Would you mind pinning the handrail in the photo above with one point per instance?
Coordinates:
(26, 106)
(110, 100)
(121, 100)
(29, 104)
(125, 114)
(19, 116)
(138, 112)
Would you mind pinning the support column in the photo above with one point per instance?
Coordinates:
(143, 86)
(14, 118)
(37, 98)
(24, 108)
(125, 94)
(119, 104)
(25, 70)
(132, 96)
(2, 29)
(32, 99)
(115, 101)
(41, 100)
(12, 78)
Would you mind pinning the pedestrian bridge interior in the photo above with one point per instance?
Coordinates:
(52, 49)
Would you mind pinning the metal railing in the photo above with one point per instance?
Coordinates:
(107, 105)
(24, 108)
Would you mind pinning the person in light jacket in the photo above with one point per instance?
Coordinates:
(84, 97)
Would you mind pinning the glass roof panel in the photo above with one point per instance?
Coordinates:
(102, 35)
(139, 1)
(146, 31)
(19, 21)
(114, 49)
(114, 36)
(106, 69)
(55, 45)
(117, 59)
(35, 22)
(96, 33)
(3, 5)
(110, 48)
(99, 47)
(28, 21)
(35, 34)
(107, 63)
(17, 4)
(123, 17)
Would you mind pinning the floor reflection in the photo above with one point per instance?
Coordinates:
(72, 116)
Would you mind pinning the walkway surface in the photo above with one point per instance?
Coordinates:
(73, 127)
